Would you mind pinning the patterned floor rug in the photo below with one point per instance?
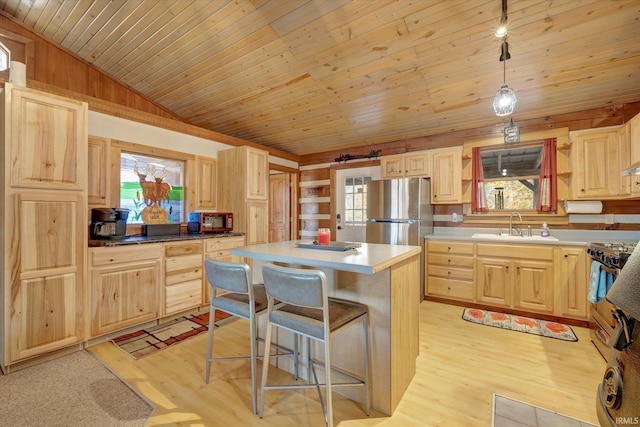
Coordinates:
(520, 323)
(148, 341)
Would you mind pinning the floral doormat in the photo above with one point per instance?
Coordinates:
(520, 323)
(147, 341)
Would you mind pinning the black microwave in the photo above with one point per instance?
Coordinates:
(210, 222)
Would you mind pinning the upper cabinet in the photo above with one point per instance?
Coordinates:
(206, 191)
(243, 188)
(629, 136)
(446, 177)
(406, 165)
(257, 178)
(49, 136)
(596, 164)
(98, 151)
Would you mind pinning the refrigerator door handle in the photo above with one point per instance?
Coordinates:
(394, 221)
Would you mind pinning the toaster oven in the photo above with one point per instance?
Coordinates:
(210, 222)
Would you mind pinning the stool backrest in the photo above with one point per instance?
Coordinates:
(227, 276)
(307, 288)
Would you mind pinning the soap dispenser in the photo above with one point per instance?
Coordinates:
(545, 230)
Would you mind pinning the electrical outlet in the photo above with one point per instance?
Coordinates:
(608, 218)
(454, 217)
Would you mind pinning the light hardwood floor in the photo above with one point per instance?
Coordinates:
(460, 366)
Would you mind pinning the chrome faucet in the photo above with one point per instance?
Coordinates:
(511, 228)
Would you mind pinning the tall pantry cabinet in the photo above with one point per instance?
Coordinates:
(44, 223)
(243, 188)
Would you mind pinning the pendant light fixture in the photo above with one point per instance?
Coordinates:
(505, 100)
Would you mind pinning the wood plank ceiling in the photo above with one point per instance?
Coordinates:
(309, 76)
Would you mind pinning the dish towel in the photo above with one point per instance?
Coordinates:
(595, 294)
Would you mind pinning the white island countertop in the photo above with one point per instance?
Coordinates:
(370, 258)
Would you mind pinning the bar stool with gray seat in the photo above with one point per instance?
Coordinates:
(240, 299)
(306, 309)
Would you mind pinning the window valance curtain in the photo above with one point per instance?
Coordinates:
(478, 195)
(548, 194)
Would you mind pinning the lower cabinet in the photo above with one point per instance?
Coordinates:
(182, 276)
(218, 248)
(546, 279)
(450, 270)
(571, 282)
(125, 286)
(516, 276)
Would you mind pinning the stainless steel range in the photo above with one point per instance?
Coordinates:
(618, 396)
(613, 256)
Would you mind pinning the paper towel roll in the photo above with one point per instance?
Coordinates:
(579, 206)
(18, 73)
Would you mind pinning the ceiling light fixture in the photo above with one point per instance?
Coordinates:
(505, 100)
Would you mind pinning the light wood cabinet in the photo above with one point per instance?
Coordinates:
(125, 286)
(547, 279)
(406, 165)
(446, 176)
(243, 188)
(629, 136)
(183, 266)
(48, 140)
(44, 223)
(257, 217)
(571, 282)
(450, 270)
(98, 150)
(206, 177)
(634, 138)
(596, 164)
(219, 249)
(515, 276)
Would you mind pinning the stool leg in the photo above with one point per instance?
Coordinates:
(365, 352)
(328, 394)
(295, 356)
(265, 367)
(212, 316)
(254, 356)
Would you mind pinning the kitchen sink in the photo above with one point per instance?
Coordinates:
(513, 237)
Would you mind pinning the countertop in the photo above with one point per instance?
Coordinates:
(138, 240)
(370, 258)
(564, 237)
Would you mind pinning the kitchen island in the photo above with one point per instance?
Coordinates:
(384, 277)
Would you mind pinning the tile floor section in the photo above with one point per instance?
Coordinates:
(512, 413)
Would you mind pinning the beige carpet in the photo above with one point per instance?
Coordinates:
(74, 390)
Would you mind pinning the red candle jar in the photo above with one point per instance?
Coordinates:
(324, 236)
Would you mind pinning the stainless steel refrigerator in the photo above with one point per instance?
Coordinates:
(399, 212)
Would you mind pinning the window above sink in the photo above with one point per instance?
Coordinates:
(511, 175)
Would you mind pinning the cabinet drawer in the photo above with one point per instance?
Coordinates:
(450, 247)
(451, 273)
(183, 296)
(124, 254)
(223, 244)
(182, 248)
(449, 260)
(530, 252)
(180, 269)
(447, 288)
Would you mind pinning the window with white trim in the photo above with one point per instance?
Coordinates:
(5, 57)
(355, 200)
